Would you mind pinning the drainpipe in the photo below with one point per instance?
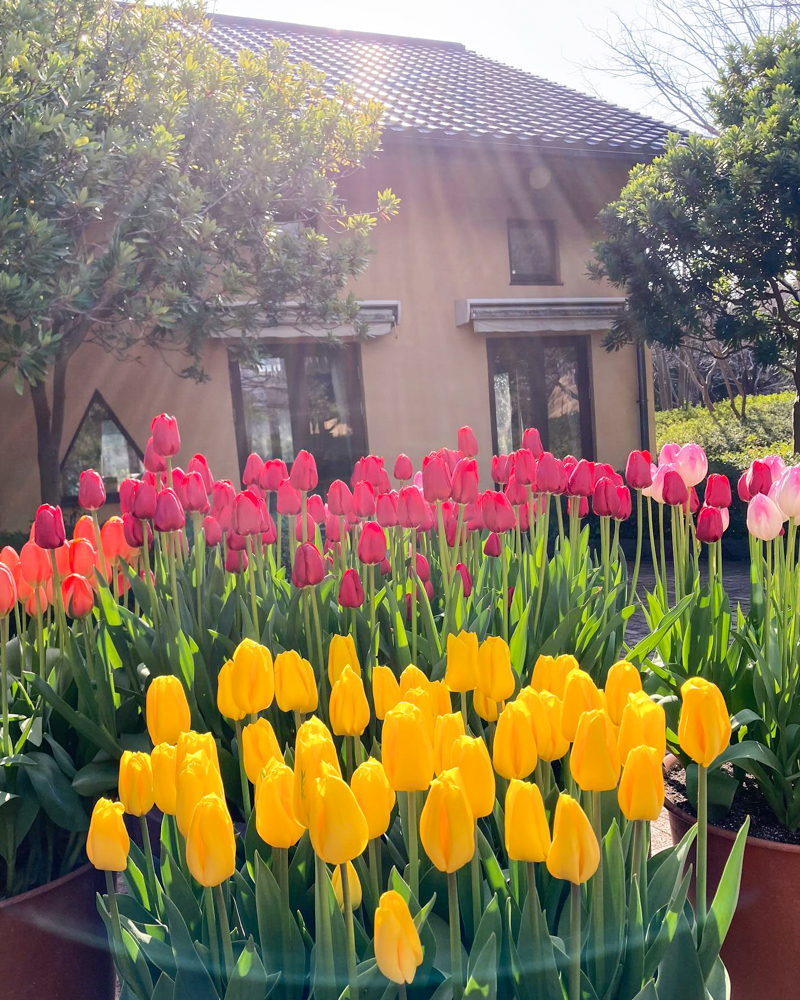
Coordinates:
(644, 415)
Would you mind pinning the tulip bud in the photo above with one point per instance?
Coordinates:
(199, 464)
(594, 761)
(495, 676)
(273, 473)
(545, 711)
(354, 884)
(462, 661)
(580, 695)
(641, 788)
(465, 481)
(709, 528)
(502, 466)
(340, 499)
(136, 783)
(527, 834)
(550, 673)
(574, 854)
(385, 691)
(77, 595)
(275, 819)
(514, 749)
(190, 742)
(246, 517)
(252, 470)
(8, 591)
(374, 795)
(447, 729)
(403, 469)
(446, 823)
(166, 437)
(497, 512)
(349, 708)
(259, 746)
(48, 527)
(108, 843)
(622, 680)
(674, 490)
(471, 758)
(226, 702)
(398, 951)
(308, 569)
(198, 776)
(235, 560)
(492, 547)
(91, 490)
(764, 518)
(718, 491)
(336, 824)
(637, 471)
(467, 442)
(162, 761)
(288, 499)
(691, 464)
(252, 677)
(643, 722)
(341, 653)
(152, 461)
(167, 709)
(211, 845)
(581, 479)
(486, 708)
(704, 730)
(436, 478)
(411, 508)
(407, 748)
(304, 472)
(372, 544)
(295, 683)
(524, 468)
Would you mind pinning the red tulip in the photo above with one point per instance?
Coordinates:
(386, 509)
(583, 505)
(10, 559)
(759, 478)
(516, 493)
(638, 472)
(199, 464)
(76, 593)
(498, 514)
(623, 503)
(532, 441)
(273, 473)
(351, 593)
(428, 517)
(709, 526)
(310, 528)
(674, 490)
(252, 470)
(741, 488)
(523, 517)
(502, 467)
(304, 472)
(694, 500)
(308, 569)
(91, 490)
(36, 601)
(548, 474)
(525, 467)
(340, 499)
(222, 497)
(169, 514)
(363, 499)
(144, 501)
(604, 498)
(718, 491)
(166, 438)
(246, 517)
(581, 479)
(8, 591)
(153, 461)
(403, 469)
(332, 529)
(374, 471)
(288, 499)
(372, 544)
(235, 560)
(466, 579)
(436, 479)
(195, 497)
(467, 442)
(465, 480)
(235, 541)
(133, 531)
(422, 567)
(411, 507)
(179, 479)
(48, 527)
(473, 516)
(212, 531)
(493, 546)
(127, 488)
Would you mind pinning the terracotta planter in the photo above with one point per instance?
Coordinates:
(761, 949)
(54, 944)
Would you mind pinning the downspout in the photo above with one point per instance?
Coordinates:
(644, 414)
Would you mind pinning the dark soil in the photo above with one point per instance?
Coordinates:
(748, 801)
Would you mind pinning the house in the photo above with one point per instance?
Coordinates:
(477, 302)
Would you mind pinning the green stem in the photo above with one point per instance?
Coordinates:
(225, 930)
(351, 935)
(213, 939)
(575, 942)
(325, 937)
(475, 879)
(413, 844)
(455, 936)
(374, 873)
(504, 587)
(40, 639)
(96, 523)
(374, 640)
(148, 575)
(597, 893)
(121, 953)
(414, 586)
(173, 576)
(702, 847)
(152, 881)
(322, 673)
(4, 682)
(199, 546)
(251, 577)
(464, 710)
(242, 773)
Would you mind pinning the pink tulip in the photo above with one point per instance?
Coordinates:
(656, 490)
(776, 466)
(764, 518)
(668, 454)
(787, 492)
(691, 464)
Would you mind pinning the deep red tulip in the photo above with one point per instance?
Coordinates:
(674, 491)
(623, 503)
(308, 569)
(741, 488)
(372, 544)
(153, 461)
(718, 491)
(386, 509)
(502, 467)
(212, 530)
(288, 499)
(169, 514)
(126, 490)
(436, 479)
(516, 493)
(493, 546)
(351, 593)
(581, 479)
(77, 595)
(411, 508)
(199, 464)
(273, 473)
(332, 529)
(422, 567)
(583, 505)
(466, 579)
(548, 474)
(235, 560)
(195, 497)
(363, 499)
(710, 526)
(604, 498)
(340, 499)
(403, 469)
(235, 541)
(310, 528)
(165, 435)
(638, 473)
(246, 517)
(133, 531)
(532, 441)
(759, 478)
(8, 591)
(465, 481)
(467, 442)
(48, 527)
(694, 501)
(450, 529)
(304, 472)
(498, 514)
(252, 469)
(525, 467)
(91, 490)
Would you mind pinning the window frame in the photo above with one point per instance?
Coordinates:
(583, 379)
(551, 229)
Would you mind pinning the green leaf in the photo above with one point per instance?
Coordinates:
(94, 778)
(519, 640)
(491, 925)
(99, 737)
(55, 793)
(281, 942)
(165, 988)
(720, 915)
(249, 979)
(482, 983)
(679, 973)
(192, 981)
(534, 967)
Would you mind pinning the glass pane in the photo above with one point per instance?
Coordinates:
(503, 412)
(563, 400)
(265, 393)
(532, 249)
(99, 444)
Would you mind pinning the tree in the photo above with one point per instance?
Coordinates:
(145, 183)
(705, 239)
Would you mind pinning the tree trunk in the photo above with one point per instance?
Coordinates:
(49, 431)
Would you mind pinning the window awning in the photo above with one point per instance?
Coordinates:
(380, 315)
(538, 315)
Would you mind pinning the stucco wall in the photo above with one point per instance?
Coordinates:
(425, 379)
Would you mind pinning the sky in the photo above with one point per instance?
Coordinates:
(552, 38)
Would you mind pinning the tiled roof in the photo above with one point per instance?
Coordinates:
(442, 90)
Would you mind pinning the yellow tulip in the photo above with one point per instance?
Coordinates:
(259, 745)
(210, 844)
(165, 777)
(252, 677)
(440, 698)
(594, 761)
(198, 776)
(192, 742)
(704, 730)
(641, 788)
(398, 950)
(495, 676)
(471, 757)
(485, 708)
(385, 691)
(349, 708)
(341, 653)
(167, 710)
(421, 697)
(514, 749)
(643, 721)
(462, 662)
(314, 726)
(412, 677)
(580, 695)
(544, 709)
(136, 783)
(574, 853)
(275, 819)
(226, 703)
(295, 684)
(374, 795)
(550, 673)
(354, 883)
(447, 729)
(108, 843)
(446, 823)
(526, 829)
(336, 825)
(310, 753)
(623, 679)
(407, 751)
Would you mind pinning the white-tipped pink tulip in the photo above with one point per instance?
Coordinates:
(692, 464)
(764, 518)
(668, 454)
(776, 464)
(726, 518)
(656, 490)
(772, 493)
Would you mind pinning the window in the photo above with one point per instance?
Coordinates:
(101, 443)
(302, 395)
(541, 382)
(533, 252)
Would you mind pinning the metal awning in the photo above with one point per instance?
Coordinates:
(519, 315)
(380, 315)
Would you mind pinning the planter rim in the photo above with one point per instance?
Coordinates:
(670, 761)
(40, 890)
